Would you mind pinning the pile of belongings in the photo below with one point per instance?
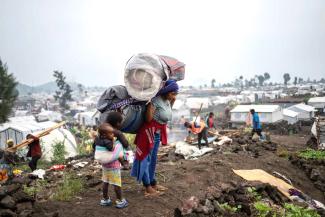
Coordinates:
(189, 151)
(145, 75)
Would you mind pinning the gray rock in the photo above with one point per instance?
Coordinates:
(26, 213)
(2, 193)
(7, 213)
(314, 174)
(10, 189)
(208, 208)
(21, 196)
(24, 206)
(7, 202)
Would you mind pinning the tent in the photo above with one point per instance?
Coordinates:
(18, 127)
(318, 103)
(267, 113)
(305, 112)
(87, 118)
(46, 115)
(290, 116)
(58, 135)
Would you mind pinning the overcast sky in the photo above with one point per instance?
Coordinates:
(90, 40)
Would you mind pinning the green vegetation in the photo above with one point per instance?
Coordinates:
(226, 207)
(8, 92)
(312, 154)
(282, 152)
(130, 138)
(37, 187)
(58, 152)
(297, 211)
(71, 186)
(254, 193)
(262, 208)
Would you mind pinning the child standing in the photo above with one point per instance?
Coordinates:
(111, 172)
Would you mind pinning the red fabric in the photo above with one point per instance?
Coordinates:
(211, 123)
(144, 139)
(34, 149)
(176, 67)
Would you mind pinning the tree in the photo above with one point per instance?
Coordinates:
(213, 81)
(260, 79)
(241, 78)
(322, 80)
(266, 76)
(63, 95)
(300, 80)
(80, 89)
(8, 92)
(286, 78)
(295, 81)
(205, 85)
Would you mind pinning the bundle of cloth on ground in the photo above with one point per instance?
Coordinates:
(190, 151)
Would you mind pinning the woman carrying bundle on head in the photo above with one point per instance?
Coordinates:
(149, 136)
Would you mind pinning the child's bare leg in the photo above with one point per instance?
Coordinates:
(105, 190)
(118, 192)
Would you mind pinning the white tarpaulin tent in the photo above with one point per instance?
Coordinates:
(317, 102)
(59, 135)
(87, 118)
(290, 116)
(305, 112)
(267, 113)
(17, 129)
(49, 115)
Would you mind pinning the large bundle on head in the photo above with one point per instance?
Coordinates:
(145, 74)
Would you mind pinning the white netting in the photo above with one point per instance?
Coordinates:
(144, 76)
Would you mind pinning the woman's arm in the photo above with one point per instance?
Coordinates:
(150, 112)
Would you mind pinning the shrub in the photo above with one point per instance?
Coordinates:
(58, 152)
(71, 186)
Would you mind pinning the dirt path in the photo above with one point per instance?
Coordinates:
(184, 179)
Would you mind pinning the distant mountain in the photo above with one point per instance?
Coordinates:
(49, 87)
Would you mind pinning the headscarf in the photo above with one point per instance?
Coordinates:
(170, 86)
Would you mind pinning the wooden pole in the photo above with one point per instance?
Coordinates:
(39, 135)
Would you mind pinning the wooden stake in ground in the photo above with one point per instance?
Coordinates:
(39, 135)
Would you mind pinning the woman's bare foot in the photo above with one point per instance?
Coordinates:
(159, 188)
(150, 191)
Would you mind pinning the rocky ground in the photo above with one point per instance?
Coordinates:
(204, 187)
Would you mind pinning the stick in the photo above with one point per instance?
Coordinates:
(39, 135)
(198, 112)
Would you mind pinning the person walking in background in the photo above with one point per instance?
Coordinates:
(210, 121)
(34, 151)
(256, 125)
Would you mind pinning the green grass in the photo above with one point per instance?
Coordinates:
(38, 186)
(254, 193)
(226, 207)
(312, 154)
(70, 187)
(262, 208)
